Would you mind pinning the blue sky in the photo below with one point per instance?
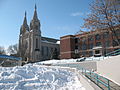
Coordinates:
(57, 17)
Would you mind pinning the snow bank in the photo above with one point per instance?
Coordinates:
(36, 77)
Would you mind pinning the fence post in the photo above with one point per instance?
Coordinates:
(103, 57)
(90, 75)
(82, 70)
(97, 79)
(85, 71)
(108, 85)
(92, 58)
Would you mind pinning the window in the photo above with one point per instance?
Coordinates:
(116, 32)
(84, 53)
(90, 45)
(97, 51)
(37, 48)
(97, 37)
(107, 43)
(42, 50)
(36, 43)
(98, 44)
(76, 40)
(83, 40)
(90, 38)
(47, 50)
(84, 46)
(91, 53)
(115, 43)
(106, 35)
(51, 50)
(76, 47)
(37, 57)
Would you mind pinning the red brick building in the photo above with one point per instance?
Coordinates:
(75, 46)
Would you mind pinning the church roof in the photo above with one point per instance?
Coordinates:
(50, 40)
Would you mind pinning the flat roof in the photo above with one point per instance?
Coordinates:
(67, 36)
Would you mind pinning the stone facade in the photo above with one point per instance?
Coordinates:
(32, 46)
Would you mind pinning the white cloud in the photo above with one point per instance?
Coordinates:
(79, 14)
(67, 28)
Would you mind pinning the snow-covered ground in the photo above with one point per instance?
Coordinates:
(36, 77)
(72, 60)
(58, 61)
(39, 77)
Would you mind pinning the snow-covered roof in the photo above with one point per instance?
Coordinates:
(58, 42)
(50, 40)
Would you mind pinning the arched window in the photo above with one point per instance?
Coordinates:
(36, 43)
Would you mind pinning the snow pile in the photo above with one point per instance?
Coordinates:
(36, 77)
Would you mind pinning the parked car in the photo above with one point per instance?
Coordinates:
(81, 59)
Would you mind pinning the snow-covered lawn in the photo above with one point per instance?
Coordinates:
(58, 61)
(36, 77)
(64, 61)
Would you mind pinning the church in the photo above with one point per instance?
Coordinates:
(32, 46)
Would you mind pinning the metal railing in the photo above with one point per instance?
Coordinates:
(6, 60)
(116, 52)
(113, 53)
(10, 57)
(102, 82)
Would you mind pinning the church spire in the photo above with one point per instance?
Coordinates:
(25, 20)
(25, 26)
(35, 7)
(35, 13)
(35, 23)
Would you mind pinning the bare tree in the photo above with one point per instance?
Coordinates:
(2, 50)
(55, 54)
(105, 14)
(13, 49)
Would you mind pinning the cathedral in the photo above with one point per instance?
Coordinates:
(32, 46)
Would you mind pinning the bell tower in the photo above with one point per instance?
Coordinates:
(24, 40)
(35, 38)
